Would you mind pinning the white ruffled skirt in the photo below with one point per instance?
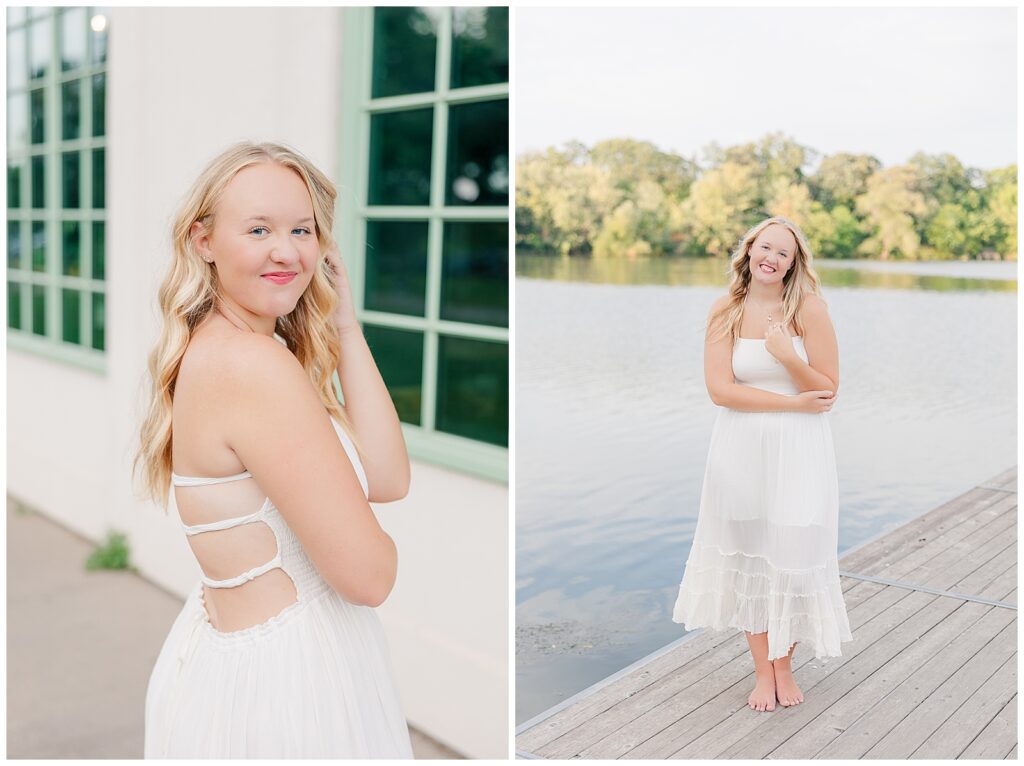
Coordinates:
(764, 555)
(315, 681)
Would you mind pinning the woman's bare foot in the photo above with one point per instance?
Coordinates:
(763, 696)
(786, 689)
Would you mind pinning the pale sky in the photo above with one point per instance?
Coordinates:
(887, 82)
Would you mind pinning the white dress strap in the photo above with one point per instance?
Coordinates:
(232, 582)
(213, 526)
(201, 481)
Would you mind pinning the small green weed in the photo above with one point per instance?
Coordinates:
(111, 554)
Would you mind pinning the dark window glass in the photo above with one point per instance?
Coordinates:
(71, 321)
(478, 154)
(404, 50)
(400, 145)
(70, 183)
(99, 250)
(38, 246)
(40, 45)
(71, 109)
(396, 267)
(39, 181)
(479, 46)
(13, 183)
(37, 117)
(17, 59)
(14, 304)
(474, 276)
(99, 178)
(472, 389)
(399, 357)
(72, 38)
(99, 104)
(17, 120)
(98, 323)
(13, 244)
(71, 249)
(39, 309)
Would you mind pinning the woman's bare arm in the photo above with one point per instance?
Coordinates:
(372, 413)
(283, 435)
(821, 370)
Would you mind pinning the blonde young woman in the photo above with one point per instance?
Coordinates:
(764, 552)
(278, 651)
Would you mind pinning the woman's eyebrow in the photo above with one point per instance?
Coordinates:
(266, 218)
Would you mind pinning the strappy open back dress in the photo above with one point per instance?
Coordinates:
(764, 552)
(313, 681)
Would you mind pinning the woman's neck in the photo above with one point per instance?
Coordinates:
(764, 296)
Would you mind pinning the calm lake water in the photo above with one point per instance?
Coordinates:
(613, 424)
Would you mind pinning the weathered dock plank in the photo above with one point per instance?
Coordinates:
(931, 672)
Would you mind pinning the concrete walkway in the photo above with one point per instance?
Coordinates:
(80, 648)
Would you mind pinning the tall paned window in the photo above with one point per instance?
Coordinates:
(56, 181)
(423, 220)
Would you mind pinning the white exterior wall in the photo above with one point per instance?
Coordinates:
(183, 84)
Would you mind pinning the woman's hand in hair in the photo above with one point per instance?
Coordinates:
(345, 313)
(778, 342)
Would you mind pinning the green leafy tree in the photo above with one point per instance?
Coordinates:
(889, 206)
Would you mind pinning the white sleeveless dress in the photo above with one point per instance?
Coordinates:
(764, 552)
(314, 681)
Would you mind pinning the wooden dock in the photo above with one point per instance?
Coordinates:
(931, 672)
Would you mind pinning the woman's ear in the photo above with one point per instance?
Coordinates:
(201, 240)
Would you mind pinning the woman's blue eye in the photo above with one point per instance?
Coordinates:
(299, 228)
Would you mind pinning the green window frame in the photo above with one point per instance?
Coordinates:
(449, 299)
(56, 182)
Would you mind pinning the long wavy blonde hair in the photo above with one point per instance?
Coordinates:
(799, 280)
(188, 294)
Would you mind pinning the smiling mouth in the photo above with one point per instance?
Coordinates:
(279, 277)
(765, 268)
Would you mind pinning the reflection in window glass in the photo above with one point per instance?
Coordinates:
(39, 182)
(71, 322)
(474, 277)
(98, 327)
(478, 154)
(400, 157)
(399, 357)
(72, 38)
(70, 175)
(99, 23)
(13, 184)
(38, 246)
(17, 121)
(396, 267)
(404, 50)
(14, 304)
(71, 109)
(99, 250)
(13, 244)
(40, 47)
(17, 59)
(472, 389)
(99, 178)
(479, 46)
(37, 104)
(71, 248)
(99, 104)
(39, 309)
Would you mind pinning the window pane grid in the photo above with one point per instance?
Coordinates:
(462, 361)
(60, 199)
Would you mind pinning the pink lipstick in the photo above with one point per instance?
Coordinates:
(279, 277)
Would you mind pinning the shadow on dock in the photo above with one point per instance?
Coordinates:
(931, 672)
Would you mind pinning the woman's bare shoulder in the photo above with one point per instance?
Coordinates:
(227, 364)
